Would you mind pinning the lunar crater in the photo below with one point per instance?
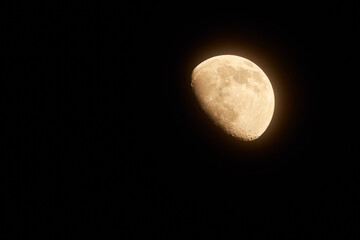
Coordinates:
(242, 76)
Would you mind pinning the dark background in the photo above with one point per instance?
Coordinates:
(103, 136)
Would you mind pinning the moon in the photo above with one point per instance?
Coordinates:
(236, 94)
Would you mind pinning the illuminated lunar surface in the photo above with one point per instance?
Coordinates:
(236, 94)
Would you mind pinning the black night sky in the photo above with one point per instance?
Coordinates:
(103, 137)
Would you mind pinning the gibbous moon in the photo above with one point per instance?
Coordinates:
(236, 94)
